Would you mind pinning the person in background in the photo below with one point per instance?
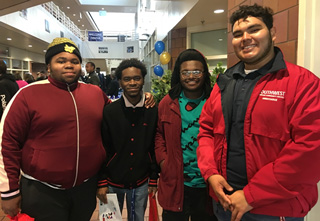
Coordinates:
(259, 145)
(8, 87)
(113, 89)
(128, 130)
(102, 80)
(83, 77)
(42, 75)
(182, 190)
(92, 75)
(107, 82)
(28, 77)
(21, 83)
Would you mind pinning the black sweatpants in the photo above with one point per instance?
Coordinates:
(48, 204)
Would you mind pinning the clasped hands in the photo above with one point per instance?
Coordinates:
(235, 202)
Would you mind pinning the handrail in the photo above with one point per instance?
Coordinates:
(54, 10)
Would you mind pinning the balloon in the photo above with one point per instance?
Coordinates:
(165, 57)
(159, 47)
(158, 70)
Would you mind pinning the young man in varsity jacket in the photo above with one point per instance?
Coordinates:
(128, 131)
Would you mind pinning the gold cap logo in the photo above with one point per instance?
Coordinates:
(69, 49)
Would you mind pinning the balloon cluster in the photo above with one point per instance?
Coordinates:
(164, 57)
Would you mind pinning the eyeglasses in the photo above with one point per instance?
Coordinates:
(195, 74)
(128, 79)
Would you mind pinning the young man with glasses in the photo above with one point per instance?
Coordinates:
(182, 190)
(128, 130)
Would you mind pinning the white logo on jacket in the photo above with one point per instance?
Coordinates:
(272, 95)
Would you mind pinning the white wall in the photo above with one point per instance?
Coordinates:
(24, 55)
(309, 55)
(35, 24)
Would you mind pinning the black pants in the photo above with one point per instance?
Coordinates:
(196, 204)
(47, 204)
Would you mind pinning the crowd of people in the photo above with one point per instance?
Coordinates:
(246, 149)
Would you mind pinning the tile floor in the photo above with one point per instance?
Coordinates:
(95, 216)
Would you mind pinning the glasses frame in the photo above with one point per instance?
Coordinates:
(195, 74)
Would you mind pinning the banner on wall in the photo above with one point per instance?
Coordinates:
(95, 36)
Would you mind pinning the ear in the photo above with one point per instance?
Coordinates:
(273, 33)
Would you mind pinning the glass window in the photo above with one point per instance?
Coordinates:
(16, 64)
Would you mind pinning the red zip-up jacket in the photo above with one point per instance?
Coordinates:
(168, 148)
(281, 139)
(51, 131)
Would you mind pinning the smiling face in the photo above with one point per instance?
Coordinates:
(192, 85)
(65, 67)
(132, 82)
(253, 42)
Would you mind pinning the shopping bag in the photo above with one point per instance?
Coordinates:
(153, 208)
(111, 210)
(21, 217)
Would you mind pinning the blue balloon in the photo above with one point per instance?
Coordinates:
(158, 70)
(159, 47)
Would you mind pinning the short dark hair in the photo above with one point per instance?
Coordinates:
(17, 76)
(244, 11)
(3, 67)
(92, 64)
(189, 55)
(133, 62)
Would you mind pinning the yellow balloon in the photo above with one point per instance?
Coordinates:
(165, 57)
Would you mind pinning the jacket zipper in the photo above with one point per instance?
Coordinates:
(77, 117)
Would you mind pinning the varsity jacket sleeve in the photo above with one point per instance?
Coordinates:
(154, 169)
(297, 167)
(102, 175)
(205, 150)
(14, 128)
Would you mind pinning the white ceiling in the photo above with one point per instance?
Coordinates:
(201, 13)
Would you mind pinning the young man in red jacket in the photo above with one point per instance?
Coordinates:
(259, 134)
(182, 190)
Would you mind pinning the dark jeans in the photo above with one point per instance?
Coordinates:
(47, 204)
(226, 215)
(195, 205)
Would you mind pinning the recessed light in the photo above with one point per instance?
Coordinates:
(102, 8)
(68, 7)
(220, 39)
(218, 11)
(82, 25)
(74, 14)
(44, 50)
(30, 46)
(78, 20)
(9, 39)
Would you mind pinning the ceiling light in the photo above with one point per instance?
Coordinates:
(44, 50)
(30, 46)
(218, 11)
(68, 7)
(220, 39)
(9, 39)
(82, 25)
(102, 8)
(78, 20)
